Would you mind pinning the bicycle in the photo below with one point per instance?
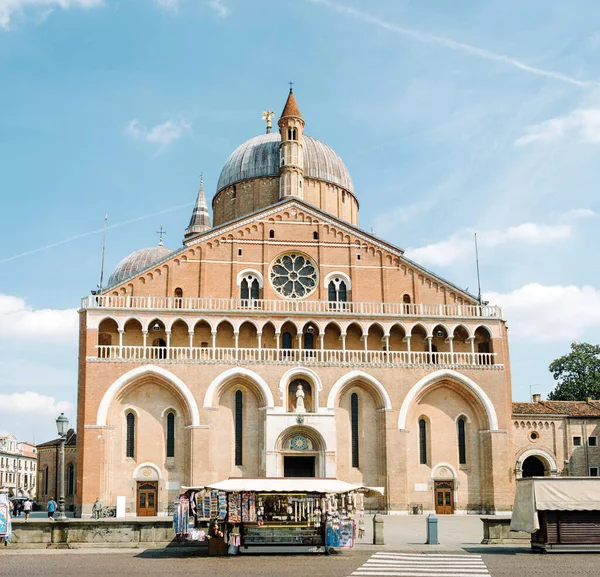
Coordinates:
(108, 512)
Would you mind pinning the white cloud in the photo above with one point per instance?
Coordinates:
(461, 244)
(20, 321)
(168, 5)
(10, 8)
(220, 8)
(33, 403)
(549, 313)
(163, 135)
(584, 123)
(578, 213)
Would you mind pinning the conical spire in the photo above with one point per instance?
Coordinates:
(200, 220)
(291, 108)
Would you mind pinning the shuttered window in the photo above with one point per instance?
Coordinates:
(422, 442)
(130, 444)
(171, 435)
(239, 408)
(354, 426)
(462, 447)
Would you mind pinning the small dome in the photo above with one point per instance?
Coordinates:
(259, 157)
(137, 261)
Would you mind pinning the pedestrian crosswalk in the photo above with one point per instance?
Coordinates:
(423, 565)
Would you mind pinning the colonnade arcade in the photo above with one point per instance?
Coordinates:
(178, 338)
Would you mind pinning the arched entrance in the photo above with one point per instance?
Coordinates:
(444, 488)
(533, 467)
(146, 476)
(301, 452)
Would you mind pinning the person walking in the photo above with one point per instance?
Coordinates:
(96, 508)
(27, 508)
(51, 507)
(16, 508)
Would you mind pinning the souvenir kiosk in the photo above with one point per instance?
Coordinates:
(561, 513)
(274, 515)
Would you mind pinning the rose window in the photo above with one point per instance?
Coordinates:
(299, 443)
(293, 276)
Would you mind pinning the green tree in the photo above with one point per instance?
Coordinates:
(577, 374)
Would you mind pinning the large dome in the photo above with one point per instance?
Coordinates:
(137, 261)
(259, 157)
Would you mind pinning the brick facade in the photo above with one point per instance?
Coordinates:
(394, 347)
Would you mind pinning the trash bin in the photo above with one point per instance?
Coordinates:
(432, 530)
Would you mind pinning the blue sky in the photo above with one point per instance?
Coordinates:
(451, 117)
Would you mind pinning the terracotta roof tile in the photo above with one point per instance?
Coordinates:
(71, 440)
(291, 108)
(570, 408)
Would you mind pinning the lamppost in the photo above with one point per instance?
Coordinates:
(62, 425)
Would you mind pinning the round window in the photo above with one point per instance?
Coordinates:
(294, 275)
(534, 435)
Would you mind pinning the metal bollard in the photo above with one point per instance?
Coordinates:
(378, 530)
(432, 530)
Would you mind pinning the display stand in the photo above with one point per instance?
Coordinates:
(274, 515)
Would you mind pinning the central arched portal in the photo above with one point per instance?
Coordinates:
(533, 467)
(301, 453)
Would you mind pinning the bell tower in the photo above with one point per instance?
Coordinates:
(291, 170)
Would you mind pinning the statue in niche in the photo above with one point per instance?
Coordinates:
(300, 399)
(307, 403)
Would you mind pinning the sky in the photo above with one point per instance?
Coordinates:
(452, 117)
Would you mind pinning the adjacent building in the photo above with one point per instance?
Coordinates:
(556, 438)
(48, 457)
(18, 467)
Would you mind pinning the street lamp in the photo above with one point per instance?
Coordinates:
(62, 426)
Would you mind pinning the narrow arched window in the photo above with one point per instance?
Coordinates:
(331, 292)
(255, 290)
(336, 291)
(130, 442)
(271, 234)
(462, 444)
(422, 442)
(46, 480)
(239, 413)
(171, 435)
(244, 290)
(342, 294)
(71, 479)
(178, 298)
(354, 427)
(234, 193)
(315, 235)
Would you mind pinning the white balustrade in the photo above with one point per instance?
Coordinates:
(290, 306)
(292, 356)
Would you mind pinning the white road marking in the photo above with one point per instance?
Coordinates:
(389, 564)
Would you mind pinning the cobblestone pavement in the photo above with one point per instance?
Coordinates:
(158, 563)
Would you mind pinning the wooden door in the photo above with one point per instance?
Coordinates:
(444, 497)
(147, 494)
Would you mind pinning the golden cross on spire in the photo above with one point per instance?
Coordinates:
(268, 116)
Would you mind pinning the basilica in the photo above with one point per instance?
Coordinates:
(282, 340)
